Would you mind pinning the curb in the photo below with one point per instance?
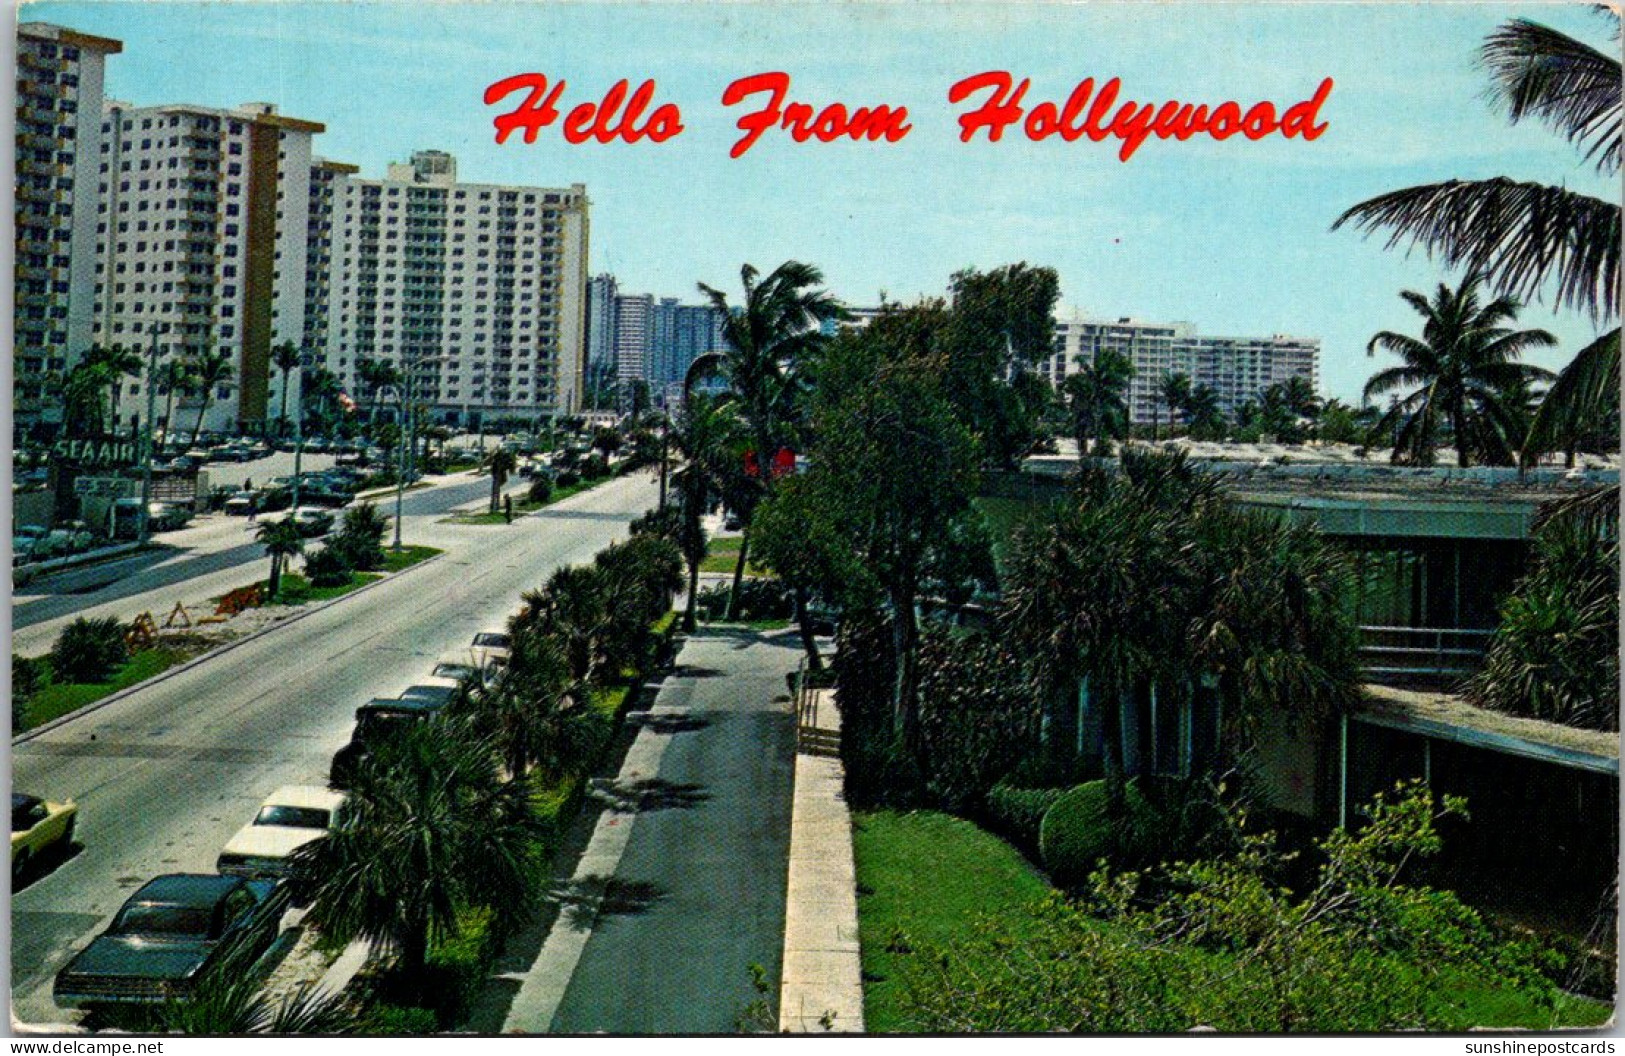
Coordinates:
(168, 673)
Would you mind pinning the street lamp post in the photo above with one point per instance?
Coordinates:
(144, 516)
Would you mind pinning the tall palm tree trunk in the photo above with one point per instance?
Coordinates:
(739, 573)
(169, 414)
(808, 639)
(202, 410)
(905, 704)
(282, 417)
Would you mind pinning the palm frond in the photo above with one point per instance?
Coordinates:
(1571, 87)
(1584, 392)
(1519, 236)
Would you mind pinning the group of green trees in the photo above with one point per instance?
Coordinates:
(90, 389)
(358, 546)
(441, 821)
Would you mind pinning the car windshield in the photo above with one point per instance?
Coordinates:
(456, 671)
(373, 724)
(293, 817)
(491, 640)
(25, 815)
(177, 922)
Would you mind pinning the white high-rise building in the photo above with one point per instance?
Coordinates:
(478, 290)
(203, 236)
(59, 130)
(633, 331)
(1237, 369)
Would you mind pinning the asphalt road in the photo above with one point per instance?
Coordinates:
(164, 776)
(698, 895)
(181, 557)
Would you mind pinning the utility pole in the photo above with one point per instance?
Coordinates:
(298, 433)
(144, 516)
(400, 468)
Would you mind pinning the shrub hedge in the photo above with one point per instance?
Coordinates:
(1017, 813)
(1079, 830)
(89, 650)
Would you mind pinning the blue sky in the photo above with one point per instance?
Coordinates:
(1232, 236)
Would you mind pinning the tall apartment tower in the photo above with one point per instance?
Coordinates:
(601, 291)
(633, 323)
(60, 74)
(680, 334)
(1238, 369)
(202, 237)
(478, 290)
(324, 249)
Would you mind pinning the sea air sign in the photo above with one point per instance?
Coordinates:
(104, 451)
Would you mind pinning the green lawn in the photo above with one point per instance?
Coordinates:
(54, 701)
(932, 878)
(723, 554)
(296, 589)
(524, 506)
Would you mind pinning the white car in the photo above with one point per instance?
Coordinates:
(292, 817)
(491, 648)
(451, 671)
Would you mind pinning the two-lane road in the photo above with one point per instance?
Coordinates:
(164, 776)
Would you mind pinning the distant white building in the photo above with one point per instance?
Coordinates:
(202, 235)
(482, 287)
(59, 132)
(1237, 369)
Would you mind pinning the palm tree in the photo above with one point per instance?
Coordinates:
(1096, 592)
(83, 409)
(1522, 236)
(1300, 396)
(767, 343)
(573, 608)
(499, 463)
(707, 434)
(1175, 391)
(110, 364)
(210, 370)
(375, 376)
(238, 1006)
(1206, 416)
(1097, 399)
(174, 376)
(1460, 372)
(286, 358)
(1555, 655)
(428, 830)
(282, 541)
(536, 714)
(319, 390)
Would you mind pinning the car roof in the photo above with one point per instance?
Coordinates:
(313, 796)
(24, 801)
(412, 706)
(187, 889)
(433, 693)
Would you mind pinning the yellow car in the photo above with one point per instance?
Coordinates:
(37, 828)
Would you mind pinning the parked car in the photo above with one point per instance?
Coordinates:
(491, 648)
(72, 537)
(289, 819)
(454, 671)
(39, 827)
(374, 722)
(437, 693)
(169, 516)
(312, 521)
(172, 935)
(242, 503)
(31, 541)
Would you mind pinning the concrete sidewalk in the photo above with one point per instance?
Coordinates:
(822, 987)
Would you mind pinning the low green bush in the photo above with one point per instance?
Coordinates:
(541, 490)
(28, 677)
(457, 967)
(568, 478)
(1018, 813)
(385, 1019)
(759, 599)
(327, 567)
(1080, 829)
(594, 468)
(89, 650)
